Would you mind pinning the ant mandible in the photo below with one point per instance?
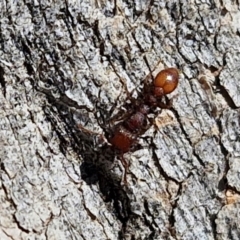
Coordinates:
(126, 133)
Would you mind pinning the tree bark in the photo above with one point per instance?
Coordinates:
(69, 70)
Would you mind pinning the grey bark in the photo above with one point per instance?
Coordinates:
(67, 69)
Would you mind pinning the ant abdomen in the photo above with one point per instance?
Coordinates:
(165, 82)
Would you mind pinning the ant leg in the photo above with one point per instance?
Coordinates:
(101, 139)
(126, 167)
(151, 70)
(120, 117)
(168, 104)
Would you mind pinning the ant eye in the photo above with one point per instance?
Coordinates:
(167, 80)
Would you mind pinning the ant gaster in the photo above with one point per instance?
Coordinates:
(126, 133)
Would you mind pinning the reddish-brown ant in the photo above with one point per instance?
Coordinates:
(127, 132)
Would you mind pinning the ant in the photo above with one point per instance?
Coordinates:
(126, 133)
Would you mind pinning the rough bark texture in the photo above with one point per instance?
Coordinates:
(66, 71)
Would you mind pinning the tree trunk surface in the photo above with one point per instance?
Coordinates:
(70, 71)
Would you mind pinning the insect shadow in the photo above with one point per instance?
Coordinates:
(98, 161)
